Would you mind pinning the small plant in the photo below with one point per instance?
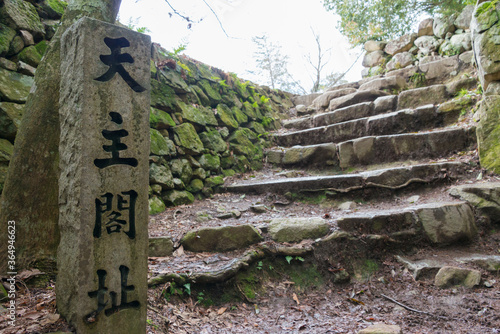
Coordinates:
(259, 265)
(418, 79)
(290, 258)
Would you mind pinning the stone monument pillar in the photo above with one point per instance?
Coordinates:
(103, 188)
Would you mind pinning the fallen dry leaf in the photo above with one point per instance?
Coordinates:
(296, 298)
(221, 310)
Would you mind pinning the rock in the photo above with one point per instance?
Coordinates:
(297, 229)
(488, 133)
(10, 119)
(258, 208)
(483, 196)
(322, 101)
(402, 44)
(30, 56)
(427, 44)
(226, 116)
(210, 162)
(371, 46)
(222, 238)
(159, 119)
(16, 46)
(347, 206)
(381, 329)
(445, 223)
(195, 186)
(341, 276)
(385, 104)
(22, 15)
(466, 57)
(8, 65)
(240, 142)
(429, 59)
(312, 154)
(177, 197)
(159, 144)
(374, 58)
(7, 34)
(14, 87)
(6, 150)
(463, 20)
(52, 9)
(214, 181)
(451, 276)
(305, 99)
(487, 55)
(213, 141)
(197, 115)
(441, 69)
(156, 206)
(160, 247)
(413, 199)
(400, 60)
(461, 42)
(416, 97)
(487, 262)
(385, 83)
(425, 28)
(160, 174)
(185, 136)
(354, 98)
(181, 168)
(442, 26)
(26, 69)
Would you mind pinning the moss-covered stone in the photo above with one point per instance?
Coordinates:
(240, 117)
(181, 168)
(14, 87)
(30, 56)
(226, 116)
(177, 197)
(228, 162)
(22, 15)
(156, 205)
(297, 229)
(228, 172)
(210, 162)
(242, 164)
(10, 119)
(257, 127)
(160, 174)
(159, 144)
(488, 133)
(240, 143)
(174, 80)
(6, 150)
(214, 181)
(221, 238)
(41, 47)
(160, 247)
(201, 115)
(249, 110)
(185, 136)
(7, 34)
(195, 186)
(199, 173)
(159, 119)
(155, 189)
(52, 9)
(212, 94)
(163, 97)
(204, 100)
(213, 141)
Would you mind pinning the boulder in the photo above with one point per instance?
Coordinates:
(322, 101)
(371, 46)
(427, 44)
(446, 223)
(160, 247)
(7, 34)
(197, 115)
(30, 56)
(226, 116)
(381, 329)
(425, 28)
(213, 141)
(305, 99)
(10, 119)
(297, 229)
(440, 70)
(222, 238)
(160, 145)
(160, 174)
(181, 168)
(22, 15)
(400, 60)
(488, 133)
(413, 98)
(451, 276)
(210, 162)
(402, 44)
(374, 58)
(442, 26)
(177, 197)
(159, 119)
(385, 103)
(14, 87)
(487, 55)
(156, 206)
(463, 20)
(6, 150)
(185, 136)
(485, 197)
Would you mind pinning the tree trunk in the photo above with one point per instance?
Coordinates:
(30, 193)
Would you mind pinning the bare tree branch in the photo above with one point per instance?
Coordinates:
(217, 17)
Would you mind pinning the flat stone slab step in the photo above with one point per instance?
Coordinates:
(371, 150)
(393, 178)
(403, 121)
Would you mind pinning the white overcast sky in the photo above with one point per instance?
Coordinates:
(286, 22)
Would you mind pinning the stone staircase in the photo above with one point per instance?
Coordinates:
(361, 174)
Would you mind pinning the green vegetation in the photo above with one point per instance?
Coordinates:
(418, 79)
(386, 19)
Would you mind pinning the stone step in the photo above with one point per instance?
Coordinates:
(391, 178)
(439, 223)
(403, 121)
(372, 150)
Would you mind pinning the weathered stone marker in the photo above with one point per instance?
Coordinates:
(103, 188)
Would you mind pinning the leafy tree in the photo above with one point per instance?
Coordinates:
(361, 20)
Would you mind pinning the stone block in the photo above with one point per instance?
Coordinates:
(385, 83)
(413, 98)
(222, 238)
(440, 69)
(374, 58)
(371, 45)
(381, 329)
(400, 60)
(297, 229)
(322, 101)
(103, 194)
(425, 27)
(485, 197)
(160, 247)
(402, 44)
(451, 276)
